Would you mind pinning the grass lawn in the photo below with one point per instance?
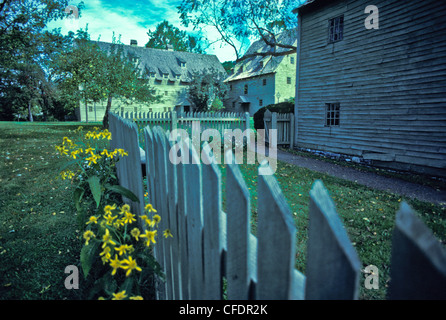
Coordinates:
(38, 230)
(39, 235)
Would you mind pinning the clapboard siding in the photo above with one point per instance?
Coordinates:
(390, 82)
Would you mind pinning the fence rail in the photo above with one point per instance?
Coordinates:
(209, 244)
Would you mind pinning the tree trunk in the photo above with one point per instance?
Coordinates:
(107, 110)
(30, 114)
(86, 111)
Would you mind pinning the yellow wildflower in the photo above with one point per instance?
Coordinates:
(136, 298)
(109, 219)
(107, 239)
(130, 265)
(122, 249)
(88, 235)
(125, 208)
(108, 208)
(129, 218)
(150, 208)
(150, 236)
(119, 296)
(156, 219)
(67, 141)
(105, 152)
(115, 264)
(167, 233)
(135, 233)
(147, 220)
(105, 254)
(93, 159)
(122, 152)
(89, 150)
(92, 219)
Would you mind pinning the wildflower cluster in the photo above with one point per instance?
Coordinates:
(121, 243)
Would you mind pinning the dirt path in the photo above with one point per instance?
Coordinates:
(372, 180)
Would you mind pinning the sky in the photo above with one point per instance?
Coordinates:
(132, 20)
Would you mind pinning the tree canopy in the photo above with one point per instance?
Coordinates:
(240, 22)
(166, 34)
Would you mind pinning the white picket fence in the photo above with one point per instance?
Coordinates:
(209, 244)
(208, 120)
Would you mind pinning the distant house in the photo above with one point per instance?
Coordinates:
(375, 93)
(169, 72)
(258, 81)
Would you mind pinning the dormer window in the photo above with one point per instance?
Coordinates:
(165, 75)
(261, 64)
(241, 69)
(183, 64)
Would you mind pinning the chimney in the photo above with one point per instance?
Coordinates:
(133, 42)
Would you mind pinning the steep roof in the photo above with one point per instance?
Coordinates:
(172, 63)
(259, 65)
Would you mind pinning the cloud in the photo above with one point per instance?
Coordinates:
(131, 20)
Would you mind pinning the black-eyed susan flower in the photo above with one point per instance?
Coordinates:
(115, 264)
(149, 208)
(88, 235)
(128, 218)
(92, 219)
(150, 236)
(119, 296)
(130, 265)
(135, 233)
(107, 239)
(167, 233)
(156, 219)
(109, 208)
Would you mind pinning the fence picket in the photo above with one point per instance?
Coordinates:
(212, 216)
(240, 270)
(418, 264)
(194, 223)
(276, 242)
(333, 266)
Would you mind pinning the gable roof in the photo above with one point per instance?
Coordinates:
(251, 67)
(160, 62)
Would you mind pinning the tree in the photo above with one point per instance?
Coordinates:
(240, 22)
(166, 34)
(25, 50)
(207, 90)
(91, 74)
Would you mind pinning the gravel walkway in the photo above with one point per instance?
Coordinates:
(369, 179)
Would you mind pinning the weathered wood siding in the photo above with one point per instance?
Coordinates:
(390, 82)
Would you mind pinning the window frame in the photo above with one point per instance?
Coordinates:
(245, 89)
(336, 29)
(332, 114)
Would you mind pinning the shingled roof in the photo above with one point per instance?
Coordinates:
(259, 65)
(176, 65)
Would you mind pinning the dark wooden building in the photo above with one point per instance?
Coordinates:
(374, 88)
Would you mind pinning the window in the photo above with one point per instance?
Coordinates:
(241, 69)
(90, 109)
(230, 87)
(292, 60)
(245, 89)
(288, 80)
(332, 113)
(233, 104)
(165, 75)
(336, 29)
(264, 82)
(260, 102)
(261, 64)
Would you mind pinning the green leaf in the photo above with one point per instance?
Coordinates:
(77, 197)
(88, 254)
(95, 187)
(122, 191)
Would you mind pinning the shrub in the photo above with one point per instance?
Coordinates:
(281, 107)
